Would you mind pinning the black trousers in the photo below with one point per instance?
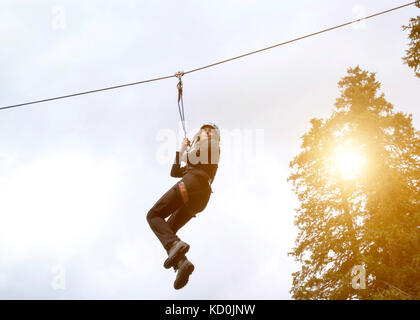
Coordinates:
(170, 204)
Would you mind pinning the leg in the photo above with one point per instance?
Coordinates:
(165, 206)
(179, 218)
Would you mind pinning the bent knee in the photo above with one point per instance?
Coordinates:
(150, 215)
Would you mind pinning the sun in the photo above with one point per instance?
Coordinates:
(349, 162)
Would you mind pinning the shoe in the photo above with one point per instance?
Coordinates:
(185, 268)
(176, 251)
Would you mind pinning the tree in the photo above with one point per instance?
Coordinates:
(412, 58)
(357, 181)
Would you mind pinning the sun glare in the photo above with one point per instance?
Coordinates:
(349, 162)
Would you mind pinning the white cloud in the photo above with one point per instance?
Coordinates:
(61, 202)
(56, 204)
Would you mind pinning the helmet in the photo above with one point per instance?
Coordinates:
(210, 124)
(214, 126)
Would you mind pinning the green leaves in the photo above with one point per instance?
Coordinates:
(412, 57)
(370, 220)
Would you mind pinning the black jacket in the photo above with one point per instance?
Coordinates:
(197, 179)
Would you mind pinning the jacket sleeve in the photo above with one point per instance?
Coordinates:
(177, 171)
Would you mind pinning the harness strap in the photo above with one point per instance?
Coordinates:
(183, 190)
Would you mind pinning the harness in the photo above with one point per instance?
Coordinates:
(179, 86)
(183, 189)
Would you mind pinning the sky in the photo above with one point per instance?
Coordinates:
(78, 175)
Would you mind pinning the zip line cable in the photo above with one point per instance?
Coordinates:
(304, 37)
(85, 92)
(211, 65)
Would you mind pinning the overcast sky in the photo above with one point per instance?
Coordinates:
(78, 175)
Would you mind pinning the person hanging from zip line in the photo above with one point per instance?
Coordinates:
(186, 198)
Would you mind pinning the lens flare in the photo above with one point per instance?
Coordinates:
(349, 162)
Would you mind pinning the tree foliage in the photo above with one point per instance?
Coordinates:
(412, 57)
(371, 219)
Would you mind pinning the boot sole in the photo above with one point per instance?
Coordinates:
(170, 262)
(184, 275)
